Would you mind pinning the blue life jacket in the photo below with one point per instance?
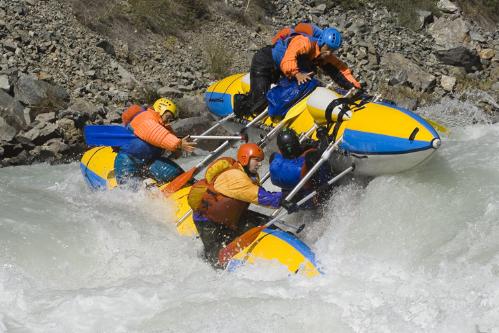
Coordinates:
(280, 47)
(140, 149)
(286, 173)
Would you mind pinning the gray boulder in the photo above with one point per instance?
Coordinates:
(424, 18)
(4, 83)
(37, 136)
(69, 131)
(81, 109)
(107, 47)
(41, 95)
(447, 6)
(461, 57)
(7, 132)
(449, 33)
(415, 76)
(191, 106)
(11, 111)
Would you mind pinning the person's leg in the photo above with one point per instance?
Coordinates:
(262, 75)
(127, 171)
(251, 219)
(164, 170)
(214, 236)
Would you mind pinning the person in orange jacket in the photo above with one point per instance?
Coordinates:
(296, 53)
(220, 210)
(141, 157)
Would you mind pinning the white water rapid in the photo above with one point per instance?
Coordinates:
(412, 252)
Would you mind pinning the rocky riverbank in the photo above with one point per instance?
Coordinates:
(58, 73)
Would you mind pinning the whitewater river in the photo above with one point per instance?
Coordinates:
(413, 252)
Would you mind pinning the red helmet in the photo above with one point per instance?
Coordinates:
(247, 151)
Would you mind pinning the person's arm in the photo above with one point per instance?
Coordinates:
(151, 131)
(339, 72)
(297, 46)
(237, 185)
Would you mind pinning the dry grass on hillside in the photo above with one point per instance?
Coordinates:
(118, 18)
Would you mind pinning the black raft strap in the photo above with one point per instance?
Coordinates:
(332, 105)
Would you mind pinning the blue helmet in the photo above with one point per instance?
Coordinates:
(331, 37)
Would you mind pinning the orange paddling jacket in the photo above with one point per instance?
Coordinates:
(302, 41)
(148, 126)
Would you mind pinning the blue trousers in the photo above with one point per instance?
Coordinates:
(131, 171)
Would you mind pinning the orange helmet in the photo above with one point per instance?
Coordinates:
(247, 151)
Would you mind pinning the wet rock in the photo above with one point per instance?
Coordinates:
(38, 136)
(54, 147)
(20, 159)
(11, 149)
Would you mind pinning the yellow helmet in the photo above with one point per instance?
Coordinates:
(164, 104)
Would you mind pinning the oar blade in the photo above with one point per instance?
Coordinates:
(439, 127)
(179, 182)
(238, 244)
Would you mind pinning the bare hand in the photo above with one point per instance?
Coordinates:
(303, 77)
(187, 146)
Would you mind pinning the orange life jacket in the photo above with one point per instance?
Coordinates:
(301, 28)
(205, 200)
(130, 113)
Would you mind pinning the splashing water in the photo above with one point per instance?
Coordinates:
(412, 252)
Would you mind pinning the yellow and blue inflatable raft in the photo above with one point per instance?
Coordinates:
(272, 244)
(378, 136)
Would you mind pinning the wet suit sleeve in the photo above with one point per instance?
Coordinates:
(269, 199)
(339, 72)
(150, 129)
(237, 185)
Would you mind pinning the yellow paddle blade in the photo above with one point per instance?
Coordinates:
(437, 126)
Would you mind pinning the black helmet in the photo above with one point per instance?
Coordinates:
(288, 143)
